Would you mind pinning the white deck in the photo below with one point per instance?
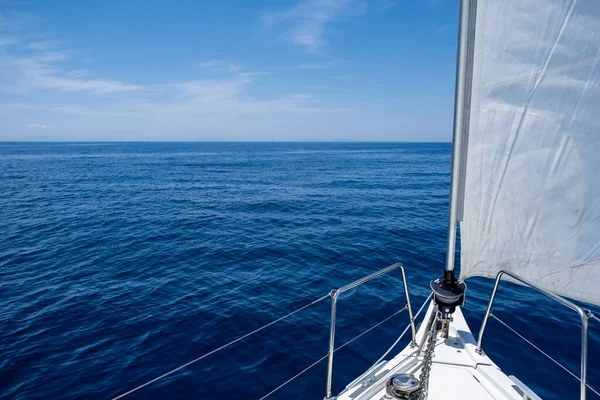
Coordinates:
(457, 372)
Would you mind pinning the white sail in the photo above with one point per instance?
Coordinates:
(532, 169)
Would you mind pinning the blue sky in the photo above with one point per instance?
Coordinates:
(379, 70)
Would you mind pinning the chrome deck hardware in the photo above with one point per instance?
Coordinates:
(583, 314)
(402, 386)
(335, 294)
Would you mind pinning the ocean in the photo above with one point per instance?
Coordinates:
(122, 261)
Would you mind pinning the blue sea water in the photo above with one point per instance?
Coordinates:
(122, 261)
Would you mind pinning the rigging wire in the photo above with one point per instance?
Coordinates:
(219, 348)
(340, 347)
(544, 353)
(350, 341)
(294, 377)
(404, 332)
(336, 349)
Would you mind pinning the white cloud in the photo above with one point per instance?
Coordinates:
(190, 101)
(6, 40)
(38, 126)
(99, 86)
(220, 65)
(314, 65)
(305, 24)
(42, 45)
(26, 74)
(31, 65)
(43, 82)
(223, 97)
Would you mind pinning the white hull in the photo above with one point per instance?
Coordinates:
(458, 372)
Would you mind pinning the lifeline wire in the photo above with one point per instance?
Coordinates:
(544, 353)
(219, 348)
(326, 355)
(404, 332)
(294, 377)
(350, 341)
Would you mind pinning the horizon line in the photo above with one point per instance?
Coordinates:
(219, 141)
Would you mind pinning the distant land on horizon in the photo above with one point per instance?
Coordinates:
(212, 141)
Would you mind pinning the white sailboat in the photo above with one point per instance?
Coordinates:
(525, 191)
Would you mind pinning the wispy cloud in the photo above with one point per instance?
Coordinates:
(232, 69)
(220, 65)
(30, 65)
(226, 97)
(6, 40)
(42, 45)
(306, 23)
(41, 80)
(314, 65)
(26, 74)
(184, 100)
(38, 126)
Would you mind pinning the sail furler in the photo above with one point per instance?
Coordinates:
(532, 180)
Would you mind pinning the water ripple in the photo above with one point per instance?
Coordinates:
(119, 262)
